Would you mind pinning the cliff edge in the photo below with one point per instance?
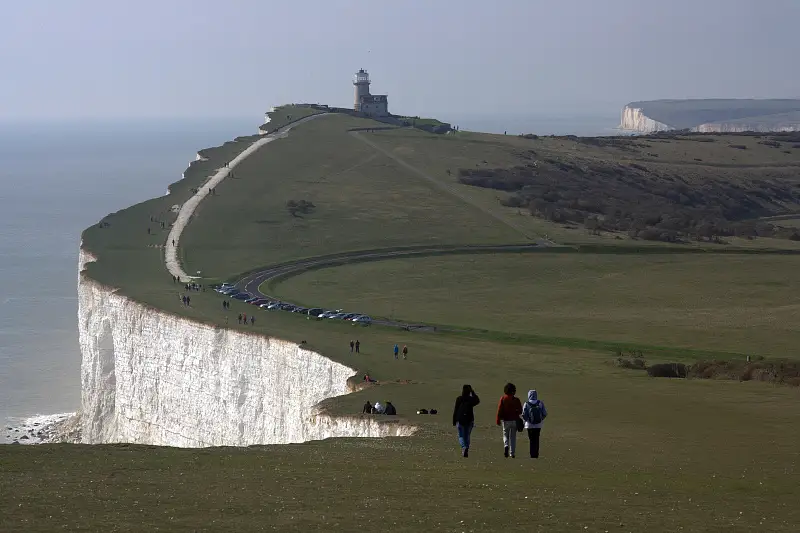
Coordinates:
(711, 115)
(150, 377)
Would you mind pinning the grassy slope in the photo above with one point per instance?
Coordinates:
(621, 451)
(735, 303)
(363, 199)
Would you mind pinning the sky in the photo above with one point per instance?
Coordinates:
(202, 58)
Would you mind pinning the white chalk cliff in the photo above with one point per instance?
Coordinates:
(634, 119)
(150, 377)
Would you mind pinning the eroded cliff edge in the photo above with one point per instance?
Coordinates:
(150, 377)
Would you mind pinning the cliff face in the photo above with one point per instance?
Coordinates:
(738, 127)
(149, 377)
(634, 119)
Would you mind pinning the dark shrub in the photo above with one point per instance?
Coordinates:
(667, 370)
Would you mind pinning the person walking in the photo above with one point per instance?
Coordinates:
(464, 417)
(352, 346)
(252, 320)
(405, 352)
(509, 410)
(396, 351)
(533, 413)
(358, 346)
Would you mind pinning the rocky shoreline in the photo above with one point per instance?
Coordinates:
(42, 429)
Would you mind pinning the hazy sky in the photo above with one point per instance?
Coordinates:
(123, 58)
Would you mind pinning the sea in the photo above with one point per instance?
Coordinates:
(58, 177)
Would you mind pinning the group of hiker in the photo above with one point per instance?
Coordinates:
(512, 416)
(379, 409)
(355, 347)
(397, 351)
(242, 318)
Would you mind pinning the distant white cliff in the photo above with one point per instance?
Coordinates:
(149, 377)
(634, 119)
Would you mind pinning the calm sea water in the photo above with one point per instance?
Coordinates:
(55, 180)
(58, 178)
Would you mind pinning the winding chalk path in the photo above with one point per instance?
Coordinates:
(187, 209)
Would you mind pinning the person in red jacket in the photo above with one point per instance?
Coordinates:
(508, 412)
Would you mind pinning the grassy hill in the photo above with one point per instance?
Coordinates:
(620, 451)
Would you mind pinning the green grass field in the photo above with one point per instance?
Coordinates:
(620, 451)
(735, 303)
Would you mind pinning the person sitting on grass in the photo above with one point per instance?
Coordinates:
(367, 410)
(390, 410)
(378, 409)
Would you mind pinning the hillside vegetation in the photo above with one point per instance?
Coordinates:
(704, 198)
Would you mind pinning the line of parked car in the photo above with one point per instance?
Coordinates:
(230, 290)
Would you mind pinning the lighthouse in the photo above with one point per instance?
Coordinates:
(371, 105)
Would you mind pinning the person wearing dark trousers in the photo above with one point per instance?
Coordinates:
(464, 417)
(534, 413)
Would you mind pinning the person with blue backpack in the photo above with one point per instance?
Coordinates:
(534, 413)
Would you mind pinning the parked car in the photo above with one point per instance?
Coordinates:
(302, 310)
(258, 301)
(242, 296)
(362, 319)
(265, 305)
(350, 316)
(315, 312)
(274, 305)
(252, 299)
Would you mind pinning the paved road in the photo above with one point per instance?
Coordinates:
(252, 282)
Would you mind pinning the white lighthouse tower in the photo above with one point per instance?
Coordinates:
(361, 83)
(371, 105)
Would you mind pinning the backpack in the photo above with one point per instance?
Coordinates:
(534, 412)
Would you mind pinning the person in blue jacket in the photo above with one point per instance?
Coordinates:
(396, 351)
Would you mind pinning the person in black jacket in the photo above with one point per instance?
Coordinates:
(464, 417)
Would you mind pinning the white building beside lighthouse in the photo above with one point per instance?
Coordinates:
(372, 105)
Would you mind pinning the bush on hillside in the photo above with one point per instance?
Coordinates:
(667, 370)
(300, 206)
(646, 203)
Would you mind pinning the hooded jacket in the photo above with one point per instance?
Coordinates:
(533, 400)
